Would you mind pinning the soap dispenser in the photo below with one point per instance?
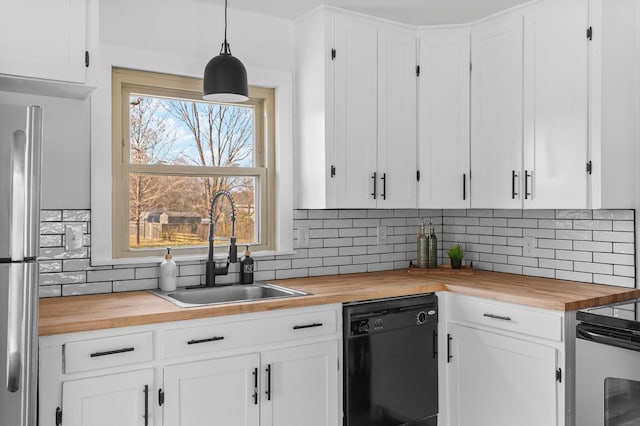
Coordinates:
(168, 273)
(246, 268)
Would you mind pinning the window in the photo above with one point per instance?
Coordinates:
(172, 151)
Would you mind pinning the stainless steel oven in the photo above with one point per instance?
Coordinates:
(608, 365)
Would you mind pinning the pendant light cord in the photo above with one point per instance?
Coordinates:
(225, 46)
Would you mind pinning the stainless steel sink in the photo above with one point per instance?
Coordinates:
(203, 296)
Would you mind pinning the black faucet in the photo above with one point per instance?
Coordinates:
(211, 269)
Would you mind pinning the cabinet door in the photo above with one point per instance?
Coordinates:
(214, 392)
(443, 105)
(115, 399)
(397, 166)
(355, 103)
(301, 386)
(43, 39)
(496, 113)
(496, 380)
(556, 81)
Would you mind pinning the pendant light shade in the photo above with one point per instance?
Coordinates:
(225, 78)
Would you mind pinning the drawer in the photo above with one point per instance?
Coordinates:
(249, 333)
(187, 341)
(518, 319)
(301, 326)
(108, 352)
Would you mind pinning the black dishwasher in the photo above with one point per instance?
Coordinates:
(391, 362)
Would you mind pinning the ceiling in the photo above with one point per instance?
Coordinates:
(414, 12)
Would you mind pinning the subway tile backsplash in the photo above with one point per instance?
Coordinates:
(596, 246)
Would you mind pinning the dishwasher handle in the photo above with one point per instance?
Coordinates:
(619, 339)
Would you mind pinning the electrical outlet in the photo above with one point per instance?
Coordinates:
(382, 234)
(73, 237)
(530, 244)
(303, 237)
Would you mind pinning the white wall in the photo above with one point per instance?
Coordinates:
(196, 29)
(179, 37)
(65, 151)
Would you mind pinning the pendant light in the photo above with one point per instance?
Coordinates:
(225, 78)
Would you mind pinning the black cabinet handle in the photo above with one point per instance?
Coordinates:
(268, 391)
(300, 327)
(464, 186)
(116, 351)
(527, 175)
(210, 339)
(255, 386)
(435, 344)
(449, 356)
(375, 185)
(513, 185)
(146, 405)
(384, 186)
(499, 317)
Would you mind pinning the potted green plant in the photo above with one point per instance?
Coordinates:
(455, 253)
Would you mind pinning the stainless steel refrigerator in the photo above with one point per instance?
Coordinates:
(20, 161)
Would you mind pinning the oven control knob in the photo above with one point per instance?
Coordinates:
(421, 317)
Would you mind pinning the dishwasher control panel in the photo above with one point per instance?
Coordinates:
(390, 318)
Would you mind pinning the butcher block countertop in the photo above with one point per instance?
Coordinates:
(95, 312)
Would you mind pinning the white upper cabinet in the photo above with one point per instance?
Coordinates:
(554, 106)
(613, 102)
(356, 105)
(556, 80)
(496, 112)
(397, 166)
(355, 99)
(44, 39)
(443, 118)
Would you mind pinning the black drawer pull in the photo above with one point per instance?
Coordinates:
(116, 351)
(300, 327)
(499, 317)
(210, 339)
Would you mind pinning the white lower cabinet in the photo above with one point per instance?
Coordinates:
(300, 384)
(114, 399)
(284, 387)
(212, 392)
(276, 368)
(505, 364)
(501, 364)
(500, 381)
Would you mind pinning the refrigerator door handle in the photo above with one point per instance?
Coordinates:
(14, 320)
(26, 161)
(18, 196)
(33, 167)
